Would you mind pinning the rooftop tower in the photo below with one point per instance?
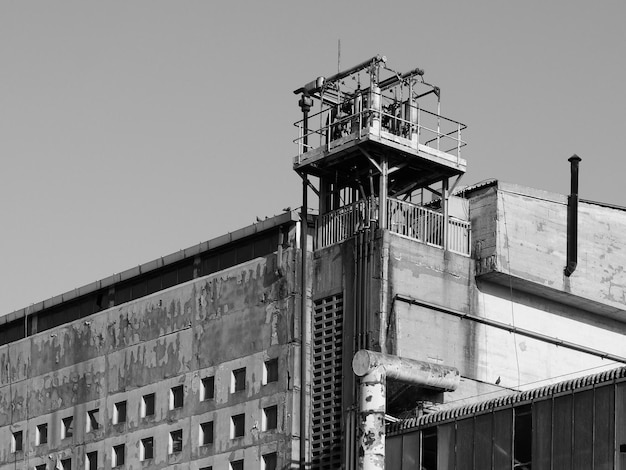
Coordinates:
(376, 142)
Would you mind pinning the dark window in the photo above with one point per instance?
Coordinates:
(270, 418)
(169, 278)
(119, 413)
(42, 434)
(16, 442)
(93, 422)
(147, 405)
(206, 468)
(228, 258)
(40, 467)
(185, 272)
(139, 288)
(245, 252)
(239, 380)
(122, 293)
(68, 427)
(269, 461)
(66, 464)
(208, 388)
(154, 283)
(206, 433)
(13, 331)
(176, 397)
(271, 371)
(119, 452)
(147, 448)
(236, 465)
(522, 438)
(92, 460)
(209, 265)
(429, 449)
(237, 426)
(176, 441)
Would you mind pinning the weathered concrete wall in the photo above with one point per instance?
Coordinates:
(236, 318)
(485, 354)
(529, 243)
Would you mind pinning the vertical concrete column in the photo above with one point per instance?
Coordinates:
(372, 414)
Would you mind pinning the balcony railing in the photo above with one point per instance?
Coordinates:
(410, 220)
(332, 127)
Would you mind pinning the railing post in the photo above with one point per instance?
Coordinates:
(444, 202)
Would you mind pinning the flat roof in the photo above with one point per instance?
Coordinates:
(248, 231)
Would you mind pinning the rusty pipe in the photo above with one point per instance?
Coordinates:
(374, 368)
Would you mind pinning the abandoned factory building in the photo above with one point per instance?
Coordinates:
(406, 322)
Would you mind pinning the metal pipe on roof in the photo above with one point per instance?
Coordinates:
(572, 218)
(315, 85)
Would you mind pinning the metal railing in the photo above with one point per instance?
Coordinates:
(345, 222)
(404, 218)
(423, 127)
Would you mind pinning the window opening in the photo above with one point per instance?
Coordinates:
(147, 405)
(270, 372)
(92, 460)
(176, 441)
(208, 388)
(270, 461)
(237, 426)
(522, 438)
(16, 441)
(146, 451)
(119, 412)
(118, 455)
(67, 427)
(92, 420)
(176, 397)
(270, 418)
(238, 380)
(236, 465)
(206, 433)
(41, 436)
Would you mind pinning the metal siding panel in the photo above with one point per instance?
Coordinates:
(465, 444)
(562, 434)
(604, 428)
(393, 453)
(620, 425)
(445, 447)
(583, 430)
(483, 441)
(503, 439)
(410, 451)
(542, 435)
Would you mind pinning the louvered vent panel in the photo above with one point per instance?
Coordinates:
(326, 391)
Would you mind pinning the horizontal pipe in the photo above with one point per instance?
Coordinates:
(514, 329)
(338, 76)
(411, 371)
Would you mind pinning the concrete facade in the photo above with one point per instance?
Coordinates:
(182, 339)
(505, 317)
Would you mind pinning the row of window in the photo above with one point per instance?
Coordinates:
(268, 461)
(147, 406)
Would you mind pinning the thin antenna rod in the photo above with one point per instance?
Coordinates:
(338, 55)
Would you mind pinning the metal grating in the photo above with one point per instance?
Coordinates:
(327, 340)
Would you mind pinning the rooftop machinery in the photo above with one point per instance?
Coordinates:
(376, 141)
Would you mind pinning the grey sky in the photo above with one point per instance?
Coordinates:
(129, 130)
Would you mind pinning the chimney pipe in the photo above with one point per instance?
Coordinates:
(572, 218)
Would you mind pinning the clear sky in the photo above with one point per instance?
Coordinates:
(130, 130)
